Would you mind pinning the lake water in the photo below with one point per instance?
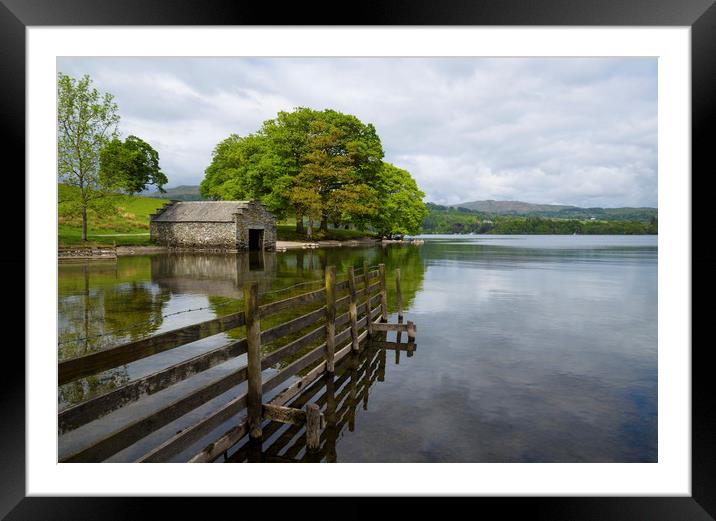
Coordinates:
(529, 348)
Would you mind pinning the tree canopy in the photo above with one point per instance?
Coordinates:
(130, 166)
(401, 209)
(91, 159)
(323, 165)
(86, 121)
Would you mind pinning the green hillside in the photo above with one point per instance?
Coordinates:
(179, 193)
(556, 211)
(124, 221)
(452, 220)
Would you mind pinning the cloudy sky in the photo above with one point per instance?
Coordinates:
(555, 130)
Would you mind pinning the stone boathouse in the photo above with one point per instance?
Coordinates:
(214, 225)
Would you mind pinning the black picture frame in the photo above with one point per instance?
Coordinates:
(699, 15)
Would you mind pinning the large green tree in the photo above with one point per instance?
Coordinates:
(318, 164)
(401, 208)
(130, 166)
(86, 121)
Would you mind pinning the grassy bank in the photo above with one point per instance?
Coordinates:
(286, 231)
(125, 222)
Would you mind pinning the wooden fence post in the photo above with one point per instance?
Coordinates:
(353, 307)
(411, 332)
(383, 294)
(381, 366)
(330, 317)
(369, 319)
(399, 296)
(254, 407)
(313, 427)
(353, 383)
(411, 336)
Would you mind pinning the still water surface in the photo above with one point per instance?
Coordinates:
(530, 348)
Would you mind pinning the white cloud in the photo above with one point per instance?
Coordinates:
(573, 131)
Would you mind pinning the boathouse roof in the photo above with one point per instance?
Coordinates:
(201, 211)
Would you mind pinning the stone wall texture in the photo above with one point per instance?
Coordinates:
(229, 236)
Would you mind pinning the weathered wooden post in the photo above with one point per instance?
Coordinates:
(411, 332)
(330, 317)
(399, 296)
(411, 336)
(352, 394)
(254, 407)
(381, 366)
(353, 308)
(313, 426)
(331, 433)
(383, 294)
(369, 318)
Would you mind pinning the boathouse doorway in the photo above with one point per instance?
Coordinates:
(256, 239)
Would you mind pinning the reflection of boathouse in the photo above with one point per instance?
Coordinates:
(220, 225)
(214, 274)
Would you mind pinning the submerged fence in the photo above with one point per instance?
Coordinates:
(307, 346)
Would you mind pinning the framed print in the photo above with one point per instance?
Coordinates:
(585, 113)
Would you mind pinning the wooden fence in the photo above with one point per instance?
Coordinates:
(340, 324)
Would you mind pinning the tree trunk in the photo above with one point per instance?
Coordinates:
(324, 224)
(299, 222)
(84, 223)
(309, 233)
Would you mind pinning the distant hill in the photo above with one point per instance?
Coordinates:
(180, 193)
(491, 207)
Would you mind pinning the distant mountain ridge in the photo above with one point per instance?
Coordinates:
(180, 193)
(492, 207)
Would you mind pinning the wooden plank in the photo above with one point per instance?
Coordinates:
(280, 413)
(381, 344)
(385, 326)
(292, 326)
(128, 434)
(293, 347)
(330, 317)
(84, 412)
(383, 293)
(294, 367)
(186, 437)
(353, 308)
(313, 427)
(86, 365)
(305, 298)
(366, 286)
(253, 338)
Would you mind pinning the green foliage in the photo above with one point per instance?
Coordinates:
(441, 219)
(401, 209)
(120, 214)
(86, 121)
(130, 166)
(322, 165)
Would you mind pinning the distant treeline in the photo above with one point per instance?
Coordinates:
(442, 219)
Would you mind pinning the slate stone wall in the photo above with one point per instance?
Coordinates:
(232, 236)
(257, 217)
(192, 235)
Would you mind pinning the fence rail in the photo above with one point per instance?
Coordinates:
(312, 342)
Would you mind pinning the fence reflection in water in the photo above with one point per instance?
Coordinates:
(340, 395)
